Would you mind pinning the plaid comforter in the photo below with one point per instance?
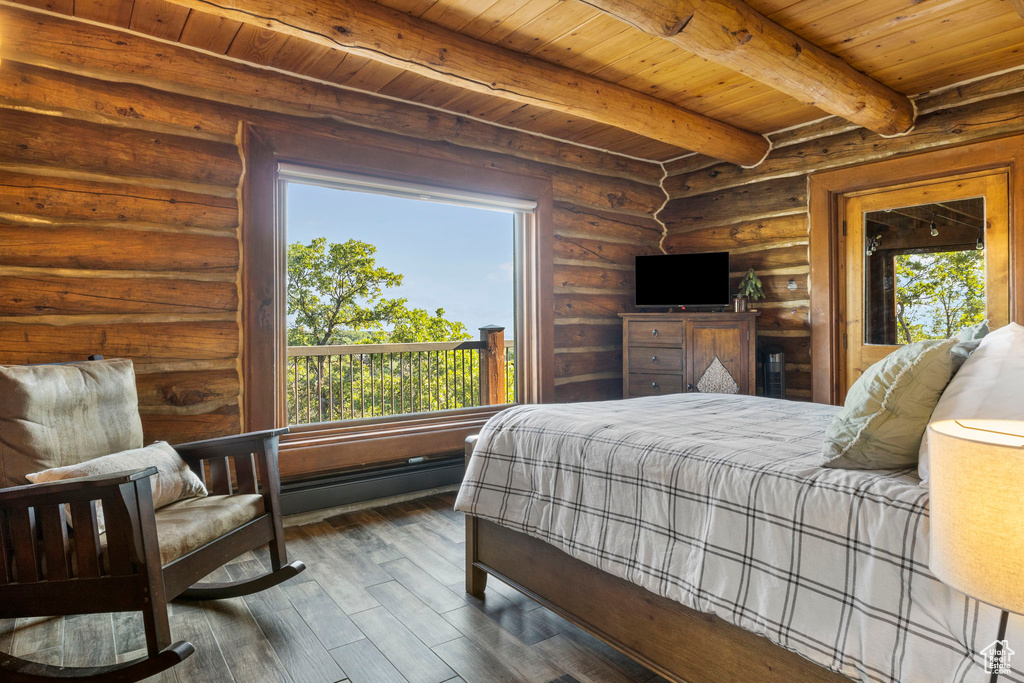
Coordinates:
(716, 501)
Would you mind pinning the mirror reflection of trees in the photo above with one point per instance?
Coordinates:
(925, 271)
(337, 297)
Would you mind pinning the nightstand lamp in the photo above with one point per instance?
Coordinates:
(977, 515)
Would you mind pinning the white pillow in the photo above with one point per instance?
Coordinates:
(990, 385)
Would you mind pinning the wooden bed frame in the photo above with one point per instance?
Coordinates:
(681, 644)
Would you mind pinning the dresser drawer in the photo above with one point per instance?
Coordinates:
(655, 333)
(653, 385)
(655, 359)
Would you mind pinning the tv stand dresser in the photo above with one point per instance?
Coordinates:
(671, 353)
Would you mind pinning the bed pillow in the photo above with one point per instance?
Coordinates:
(990, 385)
(888, 408)
(174, 481)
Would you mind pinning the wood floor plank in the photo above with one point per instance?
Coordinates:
(529, 626)
(264, 602)
(364, 663)
(6, 635)
(530, 664)
(473, 664)
(453, 551)
(406, 512)
(621, 661)
(37, 633)
(345, 556)
(248, 654)
(372, 546)
(424, 586)
(349, 595)
(409, 655)
(584, 665)
(89, 640)
(129, 633)
(323, 616)
(166, 676)
(53, 656)
(298, 648)
(427, 624)
(207, 664)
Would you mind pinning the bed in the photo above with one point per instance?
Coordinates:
(697, 534)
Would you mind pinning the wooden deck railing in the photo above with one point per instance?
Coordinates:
(344, 382)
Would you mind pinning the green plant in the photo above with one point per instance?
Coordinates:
(750, 286)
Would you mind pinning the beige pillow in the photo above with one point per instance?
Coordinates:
(888, 408)
(174, 481)
(58, 415)
(988, 386)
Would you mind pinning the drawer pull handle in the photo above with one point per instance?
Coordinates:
(654, 333)
(654, 359)
(654, 385)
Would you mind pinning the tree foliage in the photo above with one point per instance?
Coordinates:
(938, 294)
(337, 295)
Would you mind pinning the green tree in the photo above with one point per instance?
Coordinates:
(938, 294)
(337, 295)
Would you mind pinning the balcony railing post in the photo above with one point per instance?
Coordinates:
(492, 365)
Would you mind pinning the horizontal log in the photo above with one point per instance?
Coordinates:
(572, 220)
(764, 232)
(587, 363)
(176, 429)
(598, 253)
(776, 288)
(950, 126)
(569, 278)
(143, 343)
(789, 259)
(746, 202)
(605, 193)
(733, 34)
(589, 390)
(792, 318)
(115, 104)
(395, 38)
(592, 305)
(114, 249)
(109, 54)
(39, 295)
(68, 199)
(58, 142)
(584, 335)
(796, 349)
(187, 389)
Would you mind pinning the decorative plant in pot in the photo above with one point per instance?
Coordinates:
(750, 290)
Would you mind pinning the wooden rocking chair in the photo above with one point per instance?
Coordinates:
(146, 557)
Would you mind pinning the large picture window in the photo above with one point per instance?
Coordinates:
(380, 320)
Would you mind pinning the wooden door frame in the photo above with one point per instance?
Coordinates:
(825, 193)
(319, 449)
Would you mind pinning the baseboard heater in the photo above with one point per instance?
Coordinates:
(356, 487)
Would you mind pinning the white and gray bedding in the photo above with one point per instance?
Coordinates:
(717, 502)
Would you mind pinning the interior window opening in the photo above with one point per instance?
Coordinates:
(401, 298)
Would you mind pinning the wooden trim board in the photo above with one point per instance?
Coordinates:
(825, 195)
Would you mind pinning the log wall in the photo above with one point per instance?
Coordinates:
(119, 213)
(760, 214)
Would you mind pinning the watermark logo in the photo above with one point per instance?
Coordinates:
(997, 657)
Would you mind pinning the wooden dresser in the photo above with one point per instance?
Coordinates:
(669, 353)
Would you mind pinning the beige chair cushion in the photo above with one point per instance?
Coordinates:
(174, 481)
(190, 524)
(58, 415)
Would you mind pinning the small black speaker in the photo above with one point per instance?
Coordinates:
(773, 365)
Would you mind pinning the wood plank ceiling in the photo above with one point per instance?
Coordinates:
(911, 46)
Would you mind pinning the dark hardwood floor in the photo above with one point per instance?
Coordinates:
(381, 602)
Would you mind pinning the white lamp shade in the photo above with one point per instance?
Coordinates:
(977, 508)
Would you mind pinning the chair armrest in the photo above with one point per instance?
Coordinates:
(227, 446)
(67, 490)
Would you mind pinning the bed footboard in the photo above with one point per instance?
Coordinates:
(681, 644)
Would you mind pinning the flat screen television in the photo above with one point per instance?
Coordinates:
(670, 280)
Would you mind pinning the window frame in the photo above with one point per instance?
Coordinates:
(318, 449)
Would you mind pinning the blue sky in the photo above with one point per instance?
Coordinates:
(453, 257)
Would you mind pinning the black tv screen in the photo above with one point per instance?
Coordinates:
(683, 279)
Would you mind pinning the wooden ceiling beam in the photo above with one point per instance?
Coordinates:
(735, 35)
(385, 35)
